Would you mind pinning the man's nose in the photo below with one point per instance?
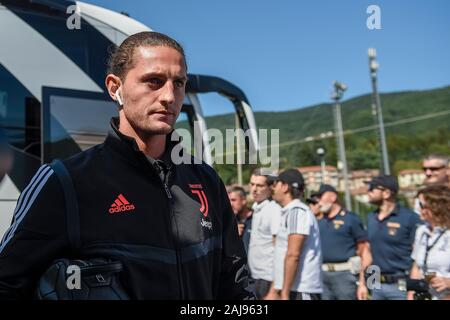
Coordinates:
(167, 96)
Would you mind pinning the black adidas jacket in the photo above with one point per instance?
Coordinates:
(172, 228)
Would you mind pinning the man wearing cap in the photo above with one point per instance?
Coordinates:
(391, 229)
(298, 255)
(313, 203)
(345, 248)
(264, 228)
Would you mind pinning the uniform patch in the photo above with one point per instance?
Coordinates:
(338, 224)
(393, 225)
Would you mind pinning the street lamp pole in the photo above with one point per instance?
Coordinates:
(238, 150)
(321, 154)
(376, 110)
(337, 94)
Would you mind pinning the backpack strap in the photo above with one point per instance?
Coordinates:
(72, 216)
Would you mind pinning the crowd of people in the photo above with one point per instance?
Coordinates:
(314, 248)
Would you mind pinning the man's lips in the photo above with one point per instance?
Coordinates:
(164, 113)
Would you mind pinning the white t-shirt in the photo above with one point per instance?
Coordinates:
(297, 218)
(438, 257)
(265, 223)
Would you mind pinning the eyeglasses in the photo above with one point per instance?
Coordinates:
(433, 168)
(421, 204)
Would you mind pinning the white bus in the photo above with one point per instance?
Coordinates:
(53, 101)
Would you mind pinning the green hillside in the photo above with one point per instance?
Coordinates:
(425, 128)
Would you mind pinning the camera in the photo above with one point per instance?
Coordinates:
(420, 287)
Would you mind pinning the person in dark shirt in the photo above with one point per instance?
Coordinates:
(238, 202)
(169, 222)
(391, 229)
(345, 248)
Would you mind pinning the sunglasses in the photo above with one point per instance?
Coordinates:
(421, 205)
(433, 168)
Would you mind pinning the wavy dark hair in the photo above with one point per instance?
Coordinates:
(121, 58)
(437, 199)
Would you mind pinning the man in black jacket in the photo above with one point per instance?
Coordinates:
(169, 223)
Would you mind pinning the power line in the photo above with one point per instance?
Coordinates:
(367, 128)
(330, 134)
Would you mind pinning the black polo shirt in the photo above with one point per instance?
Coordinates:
(340, 235)
(392, 238)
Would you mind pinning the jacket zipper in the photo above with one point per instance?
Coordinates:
(175, 237)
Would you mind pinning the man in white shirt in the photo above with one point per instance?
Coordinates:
(298, 255)
(265, 224)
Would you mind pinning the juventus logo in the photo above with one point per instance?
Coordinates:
(197, 189)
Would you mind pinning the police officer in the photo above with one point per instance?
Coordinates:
(345, 248)
(436, 169)
(437, 172)
(391, 229)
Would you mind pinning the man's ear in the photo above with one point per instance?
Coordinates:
(387, 194)
(335, 197)
(113, 83)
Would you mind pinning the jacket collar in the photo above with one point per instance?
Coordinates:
(126, 144)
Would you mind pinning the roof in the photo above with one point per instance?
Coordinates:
(410, 171)
(316, 169)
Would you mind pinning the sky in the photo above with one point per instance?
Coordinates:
(285, 54)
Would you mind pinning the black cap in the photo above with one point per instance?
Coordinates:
(292, 177)
(388, 182)
(325, 188)
(312, 199)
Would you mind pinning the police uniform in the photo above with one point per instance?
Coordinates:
(339, 237)
(391, 241)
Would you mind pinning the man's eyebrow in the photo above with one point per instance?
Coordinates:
(160, 74)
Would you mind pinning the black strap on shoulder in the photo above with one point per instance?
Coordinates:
(72, 217)
(429, 247)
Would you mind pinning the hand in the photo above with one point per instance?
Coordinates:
(362, 292)
(440, 283)
(241, 227)
(284, 295)
(272, 295)
(410, 295)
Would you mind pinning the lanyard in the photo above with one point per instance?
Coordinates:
(429, 247)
